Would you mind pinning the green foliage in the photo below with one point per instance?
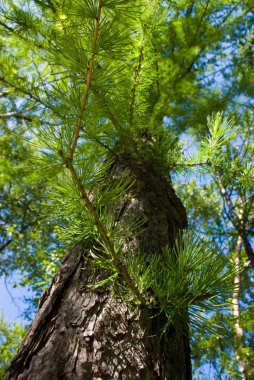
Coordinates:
(25, 236)
(217, 349)
(208, 208)
(76, 224)
(10, 338)
(192, 276)
(212, 149)
(128, 81)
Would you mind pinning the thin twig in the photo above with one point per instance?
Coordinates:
(236, 220)
(26, 92)
(205, 163)
(16, 114)
(88, 83)
(83, 193)
(103, 232)
(113, 118)
(22, 230)
(136, 75)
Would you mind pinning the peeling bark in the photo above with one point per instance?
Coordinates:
(79, 333)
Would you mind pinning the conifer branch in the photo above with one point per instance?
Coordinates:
(103, 233)
(4, 94)
(110, 115)
(7, 27)
(157, 72)
(83, 193)
(205, 9)
(231, 214)
(205, 163)
(29, 94)
(18, 115)
(15, 32)
(134, 87)
(236, 220)
(88, 81)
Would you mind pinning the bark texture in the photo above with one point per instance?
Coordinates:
(242, 363)
(79, 334)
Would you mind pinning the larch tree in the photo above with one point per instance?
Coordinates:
(104, 88)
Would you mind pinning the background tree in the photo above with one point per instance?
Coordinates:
(119, 89)
(10, 340)
(228, 203)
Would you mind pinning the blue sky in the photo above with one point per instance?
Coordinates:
(12, 301)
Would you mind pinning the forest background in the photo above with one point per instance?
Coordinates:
(205, 62)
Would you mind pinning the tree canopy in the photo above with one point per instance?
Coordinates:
(167, 85)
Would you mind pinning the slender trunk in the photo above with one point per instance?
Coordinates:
(239, 332)
(79, 333)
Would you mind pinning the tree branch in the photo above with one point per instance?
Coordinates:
(88, 82)
(23, 229)
(103, 233)
(16, 114)
(112, 117)
(136, 75)
(236, 220)
(32, 96)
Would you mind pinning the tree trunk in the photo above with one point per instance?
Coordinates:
(239, 332)
(79, 333)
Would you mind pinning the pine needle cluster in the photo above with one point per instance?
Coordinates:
(98, 96)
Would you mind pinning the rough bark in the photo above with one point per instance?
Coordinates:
(85, 334)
